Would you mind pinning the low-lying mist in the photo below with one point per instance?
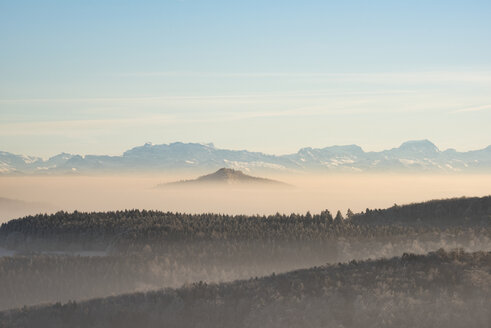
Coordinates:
(78, 256)
(310, 193)
(33, 278)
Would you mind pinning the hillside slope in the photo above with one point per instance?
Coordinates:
(441, 289)
(142, 250)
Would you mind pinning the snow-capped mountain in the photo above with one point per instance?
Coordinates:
(11, 163)
(411, 156)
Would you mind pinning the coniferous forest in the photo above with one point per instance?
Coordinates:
(381, 267)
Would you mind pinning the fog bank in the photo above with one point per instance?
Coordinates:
(311, 193)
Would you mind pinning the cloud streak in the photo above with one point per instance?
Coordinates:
(403, 77)
(238, 97)
(472, 109)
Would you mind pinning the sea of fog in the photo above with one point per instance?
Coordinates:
(310, 193)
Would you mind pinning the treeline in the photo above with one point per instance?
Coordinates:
(133, 229)
(441, 289)
(473, 211)
(39, 278)
(142, 250)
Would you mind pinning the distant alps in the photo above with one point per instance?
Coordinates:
(411, 156)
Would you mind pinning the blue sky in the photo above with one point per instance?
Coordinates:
(273, 76)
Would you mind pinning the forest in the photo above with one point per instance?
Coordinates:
(133, 230)
(78, 256)
(441, 289)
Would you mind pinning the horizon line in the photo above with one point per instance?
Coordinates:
(212, 144)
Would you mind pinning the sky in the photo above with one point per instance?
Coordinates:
(100, 77)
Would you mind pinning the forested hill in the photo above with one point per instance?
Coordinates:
(225, 176)
(441, 289)
(142, 250)
(449, 212)
(135, 227)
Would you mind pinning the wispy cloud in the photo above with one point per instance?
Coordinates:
(70, 127)
(403, 77)
(142, 120)
(199, 98)
(472, 109)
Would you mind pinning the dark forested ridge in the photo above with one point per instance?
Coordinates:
(123, 230)
(145, 250)
(443, 213)
(441, 289)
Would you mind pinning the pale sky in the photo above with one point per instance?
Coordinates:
(99, 77)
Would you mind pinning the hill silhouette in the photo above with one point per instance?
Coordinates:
(226, 177)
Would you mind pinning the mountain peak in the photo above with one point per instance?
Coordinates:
(229, 175)
(228, 172)
(419, 146)
(226, 176)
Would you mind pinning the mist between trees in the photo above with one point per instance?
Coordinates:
(441, 289)
(145, 250)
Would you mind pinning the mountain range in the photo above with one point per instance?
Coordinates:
(411, 156)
